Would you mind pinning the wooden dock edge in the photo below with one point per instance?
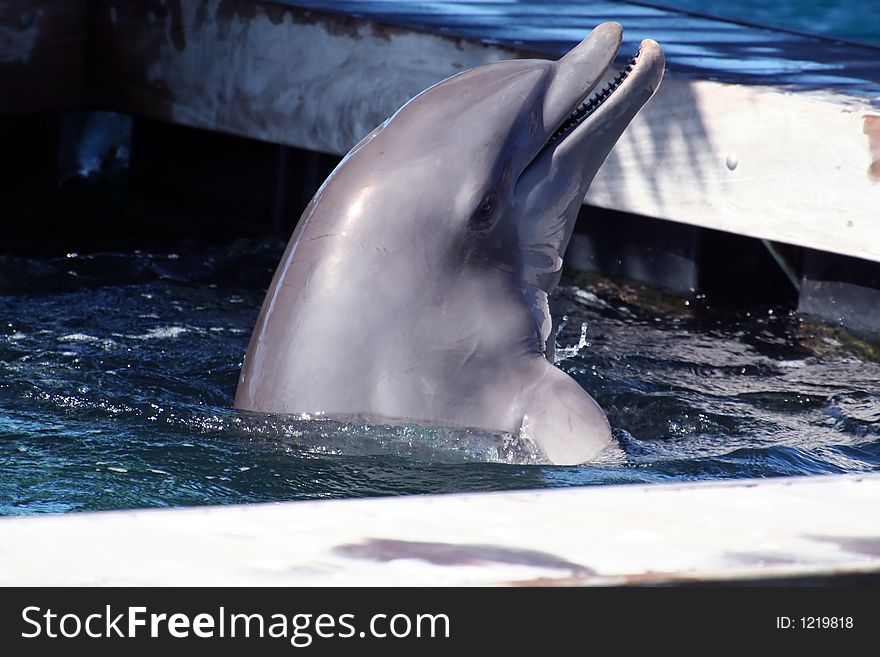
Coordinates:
(795, 168)
(819, 528)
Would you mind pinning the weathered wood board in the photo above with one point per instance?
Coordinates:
(796, 167)
(265, 70)
(765, 134)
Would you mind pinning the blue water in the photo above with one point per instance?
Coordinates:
(857, 20)
(117, 373)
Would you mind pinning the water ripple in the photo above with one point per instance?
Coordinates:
(117, 373)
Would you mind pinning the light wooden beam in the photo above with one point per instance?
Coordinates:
(799, 168)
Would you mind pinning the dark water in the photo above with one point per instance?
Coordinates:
(117, 374)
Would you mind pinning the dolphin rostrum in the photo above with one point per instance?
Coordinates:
(415, 286)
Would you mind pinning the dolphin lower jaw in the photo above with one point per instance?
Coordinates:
(589, 105)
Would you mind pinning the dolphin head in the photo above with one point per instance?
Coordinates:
(501, 156)
(415, 285)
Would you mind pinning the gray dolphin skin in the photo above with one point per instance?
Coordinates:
(414, 288)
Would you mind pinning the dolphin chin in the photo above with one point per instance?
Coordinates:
(415, 286)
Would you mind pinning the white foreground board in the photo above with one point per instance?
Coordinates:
(661, 533)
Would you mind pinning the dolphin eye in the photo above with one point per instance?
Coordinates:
(485, 209)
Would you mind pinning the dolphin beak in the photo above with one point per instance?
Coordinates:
(581, 126)
(601, 119)
(619, 100)
(579, 71)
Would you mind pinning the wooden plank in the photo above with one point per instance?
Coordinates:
(607, 535)
(798, 116)
(799, 168)
(783, 144)
(265, 70)
(754, 161)
(42, 55)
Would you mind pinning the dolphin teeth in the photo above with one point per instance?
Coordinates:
(592, 103)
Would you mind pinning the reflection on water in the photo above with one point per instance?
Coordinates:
(117, 374)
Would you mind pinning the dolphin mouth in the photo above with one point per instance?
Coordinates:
(627, 92)
(591, 103)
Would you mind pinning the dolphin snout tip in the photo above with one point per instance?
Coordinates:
(612, 26)
(649, 45)
(651, 52)
(610, 30)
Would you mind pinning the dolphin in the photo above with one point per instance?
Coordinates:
(414, 288)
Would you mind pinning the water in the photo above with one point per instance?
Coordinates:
(117, 373)
(847, 19)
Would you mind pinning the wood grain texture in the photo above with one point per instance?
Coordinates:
(798, 168)
(267, 71)
(782, 144)
(792, 168)
(696, 47)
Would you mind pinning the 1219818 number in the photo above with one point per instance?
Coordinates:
(826, 622)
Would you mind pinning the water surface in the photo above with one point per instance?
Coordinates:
(848, 19)
(117, 374)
